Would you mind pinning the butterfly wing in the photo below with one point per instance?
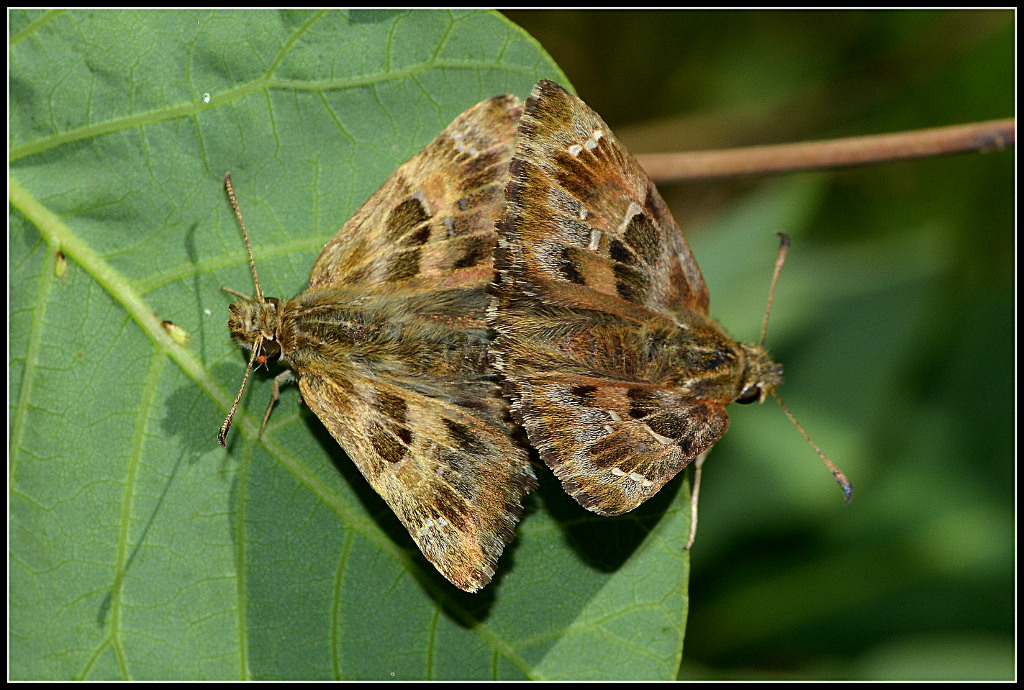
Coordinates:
(430, 225)
(609, 461)
(601, 310)
(449, 472)
(583, 214)
(397, 303)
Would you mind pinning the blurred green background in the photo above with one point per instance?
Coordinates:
(894, 320)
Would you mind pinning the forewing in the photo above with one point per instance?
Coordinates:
(584, 223)
(445, 465)
(430, 225)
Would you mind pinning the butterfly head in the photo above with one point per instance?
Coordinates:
(254, 321)
(254, 324)
(761, 376)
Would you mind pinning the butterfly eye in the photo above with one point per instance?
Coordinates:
(749, 395)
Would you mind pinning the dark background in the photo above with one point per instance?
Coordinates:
(894, 320)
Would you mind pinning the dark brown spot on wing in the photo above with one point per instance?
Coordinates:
(620, 253)
(419, 237)
(574, 178)
(405, 218)
(393, 406)
(583, 393)
(463, 437)
(643, 237)
(630, 283)
(404, 265)
(451, 505)
(474, 251)
(386, 445)
(671, 424)
(610, 451)
(642, 402)
(479, 172)
(567, 267)
(472, 404)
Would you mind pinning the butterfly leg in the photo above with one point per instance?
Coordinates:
(285, 377)
(694, 493)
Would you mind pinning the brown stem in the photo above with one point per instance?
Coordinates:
(993, 135)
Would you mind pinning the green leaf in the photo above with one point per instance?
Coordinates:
(138, 548)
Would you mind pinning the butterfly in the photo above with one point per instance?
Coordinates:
(390, 346)
(614, 367)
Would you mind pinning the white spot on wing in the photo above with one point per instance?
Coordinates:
(632, 210)
(461, 147)
(595, 240)
(661, 439)
(421, 197)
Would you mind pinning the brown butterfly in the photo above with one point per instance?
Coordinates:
(390, 346)
(615, 369)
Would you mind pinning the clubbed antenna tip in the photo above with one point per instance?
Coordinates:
(843, 482)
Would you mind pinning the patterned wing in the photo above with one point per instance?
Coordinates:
(601, 310)
(450, 473)
(614, 444)
(430, 225)
(585, 224)
(397, 303)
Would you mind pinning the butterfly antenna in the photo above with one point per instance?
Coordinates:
(227, 422)
(238, 214)
(844, 483)
(781, 259)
